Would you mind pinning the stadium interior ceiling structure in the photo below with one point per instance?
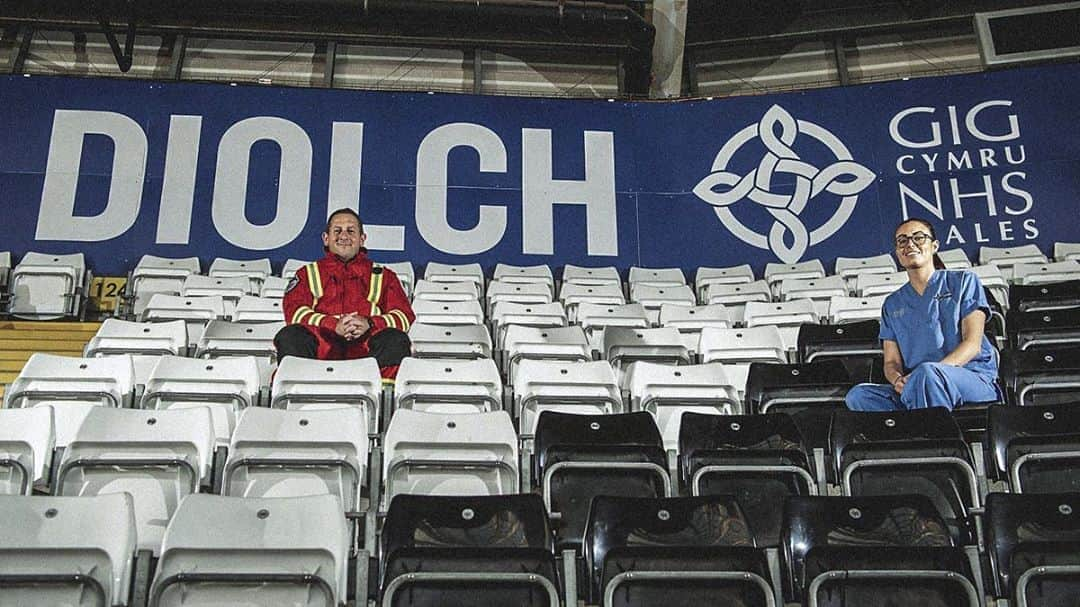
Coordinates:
(559, 48)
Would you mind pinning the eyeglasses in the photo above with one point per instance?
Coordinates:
(919, 238)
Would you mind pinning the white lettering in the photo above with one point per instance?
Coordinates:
(230, 183)
(900, 165)
(56, 215)
(987, 192)
(431, 188)
(541, 192)
(954, 235)
(907, 193)
(1009, 188)
(935, 129)
(343, 192)
(178, 183)
(973, 115)
(1030, 230)
(963, 161)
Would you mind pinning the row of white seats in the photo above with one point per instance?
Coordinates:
(50, 276)
(540, 372)
(87, 550)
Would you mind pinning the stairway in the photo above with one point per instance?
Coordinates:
(20, 339)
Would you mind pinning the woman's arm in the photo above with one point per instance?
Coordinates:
(971, 328)
(894, 365)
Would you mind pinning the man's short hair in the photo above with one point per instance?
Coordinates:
(346, 211)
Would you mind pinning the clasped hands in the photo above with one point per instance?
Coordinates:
(352, 326)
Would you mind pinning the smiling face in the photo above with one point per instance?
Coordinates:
(915, 246)
(344, 236)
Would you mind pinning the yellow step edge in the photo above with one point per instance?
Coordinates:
(11, 366)
(24, 325)
(15, 354)
(30, 345)
(6, 334)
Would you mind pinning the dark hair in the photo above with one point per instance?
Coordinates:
(938, 264)
(346, 211)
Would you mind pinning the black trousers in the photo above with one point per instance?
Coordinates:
(388, 347)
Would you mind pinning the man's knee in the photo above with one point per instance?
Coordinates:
(389, 347)
(295, 340)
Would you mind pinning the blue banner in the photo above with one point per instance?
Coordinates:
(118, 169)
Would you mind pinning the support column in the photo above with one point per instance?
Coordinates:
(669, 19)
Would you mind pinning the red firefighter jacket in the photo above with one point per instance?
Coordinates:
(327, 289)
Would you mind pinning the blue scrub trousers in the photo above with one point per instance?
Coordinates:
(928, 385)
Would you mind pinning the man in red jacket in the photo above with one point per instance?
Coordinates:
(344, 306)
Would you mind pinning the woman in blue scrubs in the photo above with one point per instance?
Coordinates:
(932, 334)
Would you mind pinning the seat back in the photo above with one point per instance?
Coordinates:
(581, 275)
(700, 550)
(1043, 329)
(450, 341)
(869, 285)
(444, 272)
(45, 286)
(1050, 296)
(225, 385)
(72, 387)
(305, 383)
(79, 550)
(669, 392)
(917, 451)
(794, 386)
(281, 453)
(1041, 376)
(847, 340)
(625, 345)
(510, 274)
(1032, 541)
(760, 459)
(500, 545)
(268, 551)
(849, 268)
(116, 336)
(706, 277)
(443, 385)
(578, 457)
(449, 454)
(1035, 448)
(547, 385)
(252, 309)
(954, 259)
(448, 312)
(844, 310)
(462, 290)
(254, 270)
(27, 439)
(887, 535)
(1045, 273)
(658, 277)
(157, 456)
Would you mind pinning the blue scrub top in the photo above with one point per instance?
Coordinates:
(927, 326)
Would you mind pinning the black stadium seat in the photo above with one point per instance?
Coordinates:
(456, 551)
(1035, 449)
(894, 550)
(760, 459)
(772, 387)
(582, 456)
(673, 552)
(1032, 541)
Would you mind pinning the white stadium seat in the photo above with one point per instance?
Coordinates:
(775, 272)
(506, 314)
(690, 320)
(303, 384)
(445, 272)
(117, 336)
(706, 277)
(954, 259)
(79, 549)
(1064, 251)
(157, 456)
(1007, 257)
(543, 343)
(449, 454)
(581, 275)
(667, 392)
(27, 439)
(869, 285)
(195, 311)
(158, 275)
(445, 291)
(229, 289)
(735, 296)
(448, 312)
(252, 309)
(405, 274)
(511, 274)
(657, 277)
(44, 286)
(569, 387)
(72, 387)
(1037, 274)
(226, 386)
(281, 453)
(223, 338)
(254, 270)
(259, 551)
(450, 341)
(448, 385)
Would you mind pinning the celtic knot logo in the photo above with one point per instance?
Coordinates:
(778, 132)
